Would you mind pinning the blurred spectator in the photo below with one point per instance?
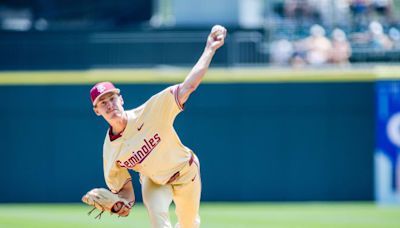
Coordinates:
(281, 51)
(278, 8)
(383, 8)
(341, 49)
(341, 14)
(360, 13)
(317, 46)
(394, 35)
(377, 38)
(326, 10)
(301, 12)
(299, 56)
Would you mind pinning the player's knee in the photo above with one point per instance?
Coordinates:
(157, 212)
(159, 218)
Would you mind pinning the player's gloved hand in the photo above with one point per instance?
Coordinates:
(121, 209)
(104, 200)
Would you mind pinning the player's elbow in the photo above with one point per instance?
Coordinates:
(185, 92)
(189, 88)
(193, 87)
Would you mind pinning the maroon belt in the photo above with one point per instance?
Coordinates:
(177, 174)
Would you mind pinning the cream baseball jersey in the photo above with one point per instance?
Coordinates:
(149, 143)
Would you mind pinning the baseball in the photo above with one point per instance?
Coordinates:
(217, 27)
(220, 31)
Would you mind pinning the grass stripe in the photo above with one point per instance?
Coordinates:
(214, 215)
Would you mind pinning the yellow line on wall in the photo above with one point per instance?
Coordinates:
(216, 75)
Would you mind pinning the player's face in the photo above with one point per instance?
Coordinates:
(110, 106)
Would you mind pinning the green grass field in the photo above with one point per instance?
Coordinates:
(213, 215)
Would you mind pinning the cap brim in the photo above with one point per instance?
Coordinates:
(105, 92)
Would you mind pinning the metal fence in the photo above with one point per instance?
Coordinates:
(63, 50)
(84, 50)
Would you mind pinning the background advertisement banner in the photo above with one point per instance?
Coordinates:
(387, 159)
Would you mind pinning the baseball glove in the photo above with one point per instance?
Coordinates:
(104, 200)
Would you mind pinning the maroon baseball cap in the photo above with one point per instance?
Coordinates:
(100, 89)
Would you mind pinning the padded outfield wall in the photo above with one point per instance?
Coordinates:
(260, 136)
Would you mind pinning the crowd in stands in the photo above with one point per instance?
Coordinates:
(316, 49)
(306, 33)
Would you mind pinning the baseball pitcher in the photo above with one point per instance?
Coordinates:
(143, 139)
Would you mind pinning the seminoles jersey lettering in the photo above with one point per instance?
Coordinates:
(149, 143)
(139, 155)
